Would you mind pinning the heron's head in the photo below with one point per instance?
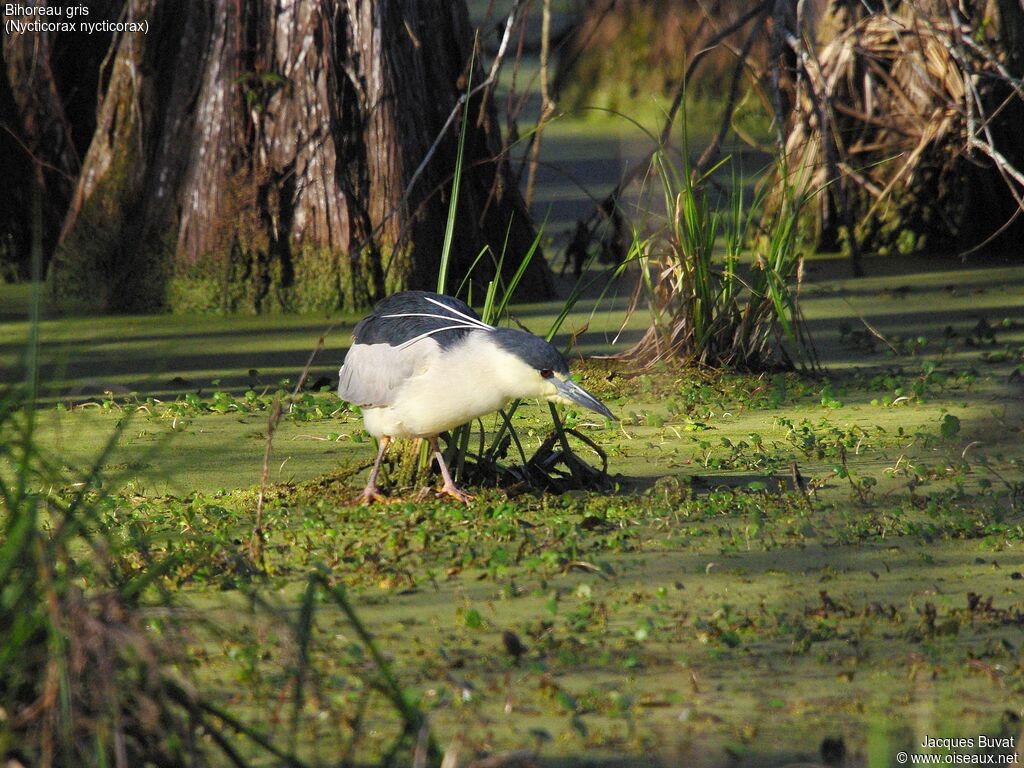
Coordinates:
(534, 368)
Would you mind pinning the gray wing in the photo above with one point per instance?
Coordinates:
(373, 373)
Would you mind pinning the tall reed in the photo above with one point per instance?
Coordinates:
(720, 279)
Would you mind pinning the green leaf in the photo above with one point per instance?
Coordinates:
(950, 426)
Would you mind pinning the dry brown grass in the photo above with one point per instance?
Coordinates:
(916, 109)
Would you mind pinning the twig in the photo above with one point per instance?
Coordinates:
(705, 49)
(276, 411)
(491, 79)
(257, 539)
(711, 152)
(38, 161)
(872, 330)
(547, 105)
(611, 200)
(821, 104)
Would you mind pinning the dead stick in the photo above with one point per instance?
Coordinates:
(276, 411)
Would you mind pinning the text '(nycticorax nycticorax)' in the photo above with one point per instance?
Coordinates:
(422, 363)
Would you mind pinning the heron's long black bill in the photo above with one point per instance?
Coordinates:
(572, 391)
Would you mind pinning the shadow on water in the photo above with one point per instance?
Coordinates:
(171, 354)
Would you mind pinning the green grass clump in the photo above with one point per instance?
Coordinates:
(705, 307)
(79, 676)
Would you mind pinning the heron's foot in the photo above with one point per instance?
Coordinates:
(450, 490)
(427, 492)
(371, 495)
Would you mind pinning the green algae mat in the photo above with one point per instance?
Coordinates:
(787, 568)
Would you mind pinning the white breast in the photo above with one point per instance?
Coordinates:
(464, 382)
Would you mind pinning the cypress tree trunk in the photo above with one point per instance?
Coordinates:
(48, 85)
(252, 156)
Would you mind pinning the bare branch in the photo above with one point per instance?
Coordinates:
(706, 48)
(547, 105)
(484, 86)
(713, 148)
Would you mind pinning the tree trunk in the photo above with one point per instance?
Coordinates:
(253, 156)
(48, 86)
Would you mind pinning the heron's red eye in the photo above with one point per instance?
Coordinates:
(547, 374)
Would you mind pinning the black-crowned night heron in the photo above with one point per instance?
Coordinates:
(422, 363)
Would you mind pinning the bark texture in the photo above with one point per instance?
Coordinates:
(254, 156)
(48, 85)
